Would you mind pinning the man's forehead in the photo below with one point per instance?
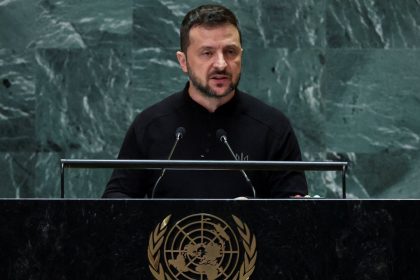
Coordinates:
(208, 35)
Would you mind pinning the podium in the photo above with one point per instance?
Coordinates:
(209, 239)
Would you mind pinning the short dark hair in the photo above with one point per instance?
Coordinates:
(206, 15)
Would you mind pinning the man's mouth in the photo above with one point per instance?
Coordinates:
(219, 77)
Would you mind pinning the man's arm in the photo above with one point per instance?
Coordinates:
(128, 183)
(285, 184)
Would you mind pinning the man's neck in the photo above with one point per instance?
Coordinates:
(209, 103)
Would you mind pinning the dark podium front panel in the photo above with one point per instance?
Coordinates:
(209, 239)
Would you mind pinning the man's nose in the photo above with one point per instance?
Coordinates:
(220, 62)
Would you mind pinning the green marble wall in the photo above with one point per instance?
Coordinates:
(73, 74)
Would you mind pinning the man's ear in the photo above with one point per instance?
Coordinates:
(182, 59)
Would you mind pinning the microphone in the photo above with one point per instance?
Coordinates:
(221, 135)
(179, 133)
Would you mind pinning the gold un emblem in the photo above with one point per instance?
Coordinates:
(202, 247)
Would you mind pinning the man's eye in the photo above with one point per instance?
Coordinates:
(206, 53)
(232, 52)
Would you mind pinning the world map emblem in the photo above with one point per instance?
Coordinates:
(202, 247)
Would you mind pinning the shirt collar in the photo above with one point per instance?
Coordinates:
(227, 108)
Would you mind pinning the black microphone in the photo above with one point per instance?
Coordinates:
(221, 135)
(179, 133)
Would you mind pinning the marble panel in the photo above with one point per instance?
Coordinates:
(156, 75)
(367, 176)
(155, 25)
(17, 101)
(17, 173)
(282, 24)
(386, 174)
(64, 24)
(373, 24)
(290, 80)
(371, 100)
(18, 23)
(406, 186)
(85, 183)
(83, 111)
(328, 184)
(263, 23)
(78, 183)
(83, 99)
(95, 22)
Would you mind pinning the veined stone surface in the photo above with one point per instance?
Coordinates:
(74, 74)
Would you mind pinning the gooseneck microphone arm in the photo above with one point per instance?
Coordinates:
(221, 135)
(179, 133)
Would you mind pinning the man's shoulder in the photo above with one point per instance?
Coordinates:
(161, 109)
(166, 105)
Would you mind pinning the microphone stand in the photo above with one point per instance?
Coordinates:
(222, 136)
(180, 131)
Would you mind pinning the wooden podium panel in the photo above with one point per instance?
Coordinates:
(210, 239)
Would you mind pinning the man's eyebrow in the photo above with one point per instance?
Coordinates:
(227, 46)
(206, 47)
(232, 46)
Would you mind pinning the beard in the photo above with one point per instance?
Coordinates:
(205, 88)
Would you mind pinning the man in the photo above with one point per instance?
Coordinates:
(211, 55)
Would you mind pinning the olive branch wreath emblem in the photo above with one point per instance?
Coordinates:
(157, 236)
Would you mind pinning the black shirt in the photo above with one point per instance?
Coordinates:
(255, 131)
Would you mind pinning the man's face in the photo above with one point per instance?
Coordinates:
(213, 60)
